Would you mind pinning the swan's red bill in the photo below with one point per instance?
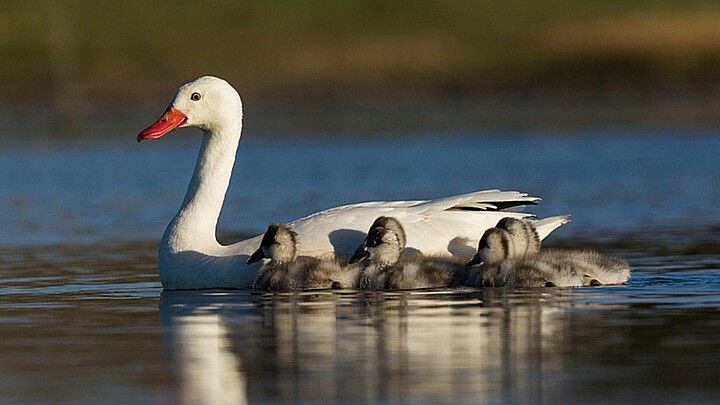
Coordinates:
(170, 120)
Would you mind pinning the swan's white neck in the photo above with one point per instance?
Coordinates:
(194, 226)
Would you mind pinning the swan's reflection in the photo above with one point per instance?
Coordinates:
(447, 345)
(199, 349)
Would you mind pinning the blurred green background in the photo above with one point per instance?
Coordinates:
(347, 63)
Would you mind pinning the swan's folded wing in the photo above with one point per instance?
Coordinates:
(432, 226)
(486, 200)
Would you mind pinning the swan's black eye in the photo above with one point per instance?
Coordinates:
(195, 96)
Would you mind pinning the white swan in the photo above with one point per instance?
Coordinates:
(190, 256)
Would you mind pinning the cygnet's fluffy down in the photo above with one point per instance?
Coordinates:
(557, 269)
(383, 268)
(285, 271)
(525, 238)
(425, 272)
(503, 266)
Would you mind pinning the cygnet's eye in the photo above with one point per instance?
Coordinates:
(195, 96)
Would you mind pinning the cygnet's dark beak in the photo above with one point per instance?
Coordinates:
(257, 255)
(475, 260)
(360, 254)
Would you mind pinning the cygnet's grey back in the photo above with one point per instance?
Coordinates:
(535, 271)
(555, 268)
(525, 238)
(596, 268)
(426, 272)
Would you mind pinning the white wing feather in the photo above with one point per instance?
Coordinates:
(451, 225)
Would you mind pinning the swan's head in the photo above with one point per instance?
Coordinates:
(279, 244)
(208, 103)
(523, 233)
(384, 242)
(495, 246)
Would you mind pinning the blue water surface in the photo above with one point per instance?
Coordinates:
(118, 190)
(83, 318)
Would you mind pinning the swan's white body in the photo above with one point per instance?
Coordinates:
(190, 256)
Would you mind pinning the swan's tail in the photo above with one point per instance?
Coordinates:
(546, 225)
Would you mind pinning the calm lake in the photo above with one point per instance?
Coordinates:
(83, 318)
